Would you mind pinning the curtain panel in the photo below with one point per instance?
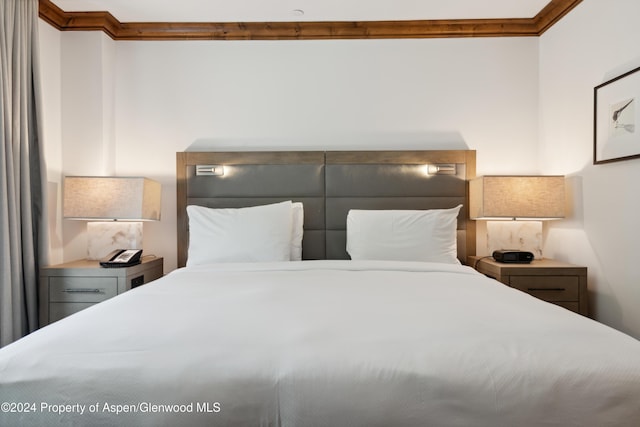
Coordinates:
(22, 173)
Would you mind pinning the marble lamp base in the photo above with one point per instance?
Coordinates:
(518, 235)
(105, 237)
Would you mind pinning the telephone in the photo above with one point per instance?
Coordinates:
(122, 258)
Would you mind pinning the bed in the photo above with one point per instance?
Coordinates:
(329, 340)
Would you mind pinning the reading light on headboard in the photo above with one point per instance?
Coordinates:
(441, 169)
(211, 170)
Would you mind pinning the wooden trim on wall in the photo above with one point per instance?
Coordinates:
(104, 21)
(553, 12)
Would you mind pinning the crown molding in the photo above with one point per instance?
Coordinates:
(553, 12)
(104, 21)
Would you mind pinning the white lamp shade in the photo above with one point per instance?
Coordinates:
(111, 198)
(517, 197)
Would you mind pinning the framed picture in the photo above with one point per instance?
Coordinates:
(616, 117)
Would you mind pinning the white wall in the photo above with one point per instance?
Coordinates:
(88, 118)
(399, 94)
(50, 64)
(594, 43)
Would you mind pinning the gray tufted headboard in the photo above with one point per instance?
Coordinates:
(329, 184)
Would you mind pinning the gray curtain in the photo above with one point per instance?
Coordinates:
(21, 170)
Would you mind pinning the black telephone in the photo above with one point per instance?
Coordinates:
(122, 258)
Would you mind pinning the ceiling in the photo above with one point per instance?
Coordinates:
(304, 10)
(304, 19)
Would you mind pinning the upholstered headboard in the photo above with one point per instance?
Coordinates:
(328, 184)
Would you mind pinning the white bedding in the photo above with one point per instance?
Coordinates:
(323, 343)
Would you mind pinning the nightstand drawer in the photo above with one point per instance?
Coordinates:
(548, 288)
(60, 310)
(549, 280)
(73, 286)
(82, 289)
(569, 305)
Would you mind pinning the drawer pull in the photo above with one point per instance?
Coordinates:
(84, 291)
(547, 289)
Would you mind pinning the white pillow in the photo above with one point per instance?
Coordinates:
(297, 231)
(259, 233)
(403, 235)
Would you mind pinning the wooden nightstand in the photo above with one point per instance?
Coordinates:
(74, 286)
(553, 281)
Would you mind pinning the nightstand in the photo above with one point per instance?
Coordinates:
(552, 281)
(74, 286)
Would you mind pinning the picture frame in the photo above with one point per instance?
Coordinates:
(616, 117)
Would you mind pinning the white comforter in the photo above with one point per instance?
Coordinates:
(323, 343)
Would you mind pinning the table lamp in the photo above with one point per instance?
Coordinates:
(114, 207)
(514, 207)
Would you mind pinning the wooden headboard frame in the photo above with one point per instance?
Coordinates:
(328, 183)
